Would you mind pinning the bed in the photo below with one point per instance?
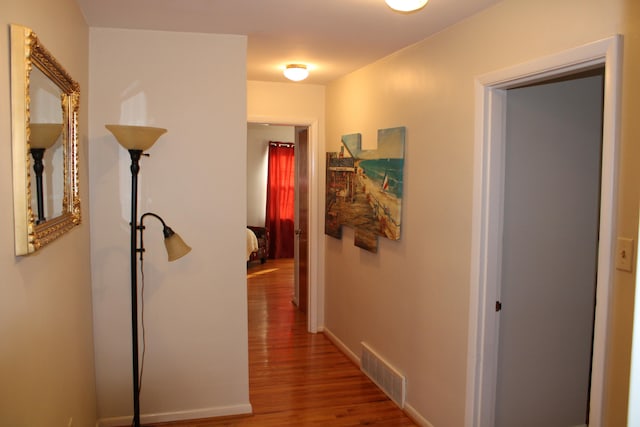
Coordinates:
(257, 244)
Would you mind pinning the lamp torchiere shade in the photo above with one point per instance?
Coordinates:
(44, 135)
(136, 137)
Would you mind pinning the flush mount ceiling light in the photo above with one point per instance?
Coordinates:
(296, 72)
(406, 5)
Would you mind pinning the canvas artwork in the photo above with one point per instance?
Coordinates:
(364, 188)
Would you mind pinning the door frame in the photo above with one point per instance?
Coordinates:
(488, 203)
(315, 201)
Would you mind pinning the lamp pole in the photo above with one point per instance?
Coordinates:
(136, 140)
(135, 168)
(38, 168)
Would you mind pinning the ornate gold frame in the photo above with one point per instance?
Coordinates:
(27, 51)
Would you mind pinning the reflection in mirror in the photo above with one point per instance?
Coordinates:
(46, 129)
(44, 103)
(45, 136)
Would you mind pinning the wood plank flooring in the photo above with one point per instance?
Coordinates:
(297, 378)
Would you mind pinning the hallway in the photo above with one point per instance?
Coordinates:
(297, 378)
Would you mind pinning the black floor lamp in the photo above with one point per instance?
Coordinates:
(43, 136)
(137, 139)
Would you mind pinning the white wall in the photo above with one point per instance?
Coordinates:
(195, 308)
(258, 137)
(410, 300)
(46, 360)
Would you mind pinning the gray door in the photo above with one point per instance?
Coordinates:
(549, 259)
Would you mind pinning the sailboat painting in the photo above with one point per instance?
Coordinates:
(364, 188)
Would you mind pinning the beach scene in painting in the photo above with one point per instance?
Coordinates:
(364, 188)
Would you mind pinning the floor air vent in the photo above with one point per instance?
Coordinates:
(392, 382)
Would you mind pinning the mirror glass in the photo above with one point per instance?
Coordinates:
(46, 146)
(44, 110)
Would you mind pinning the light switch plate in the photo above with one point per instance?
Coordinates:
(624, 254)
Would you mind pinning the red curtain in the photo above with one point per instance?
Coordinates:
(280, 199)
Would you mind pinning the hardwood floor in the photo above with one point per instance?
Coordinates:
(297, 378)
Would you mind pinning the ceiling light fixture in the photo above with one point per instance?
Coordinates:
(296, 72)
(406, 5)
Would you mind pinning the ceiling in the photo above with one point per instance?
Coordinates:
(334, 37)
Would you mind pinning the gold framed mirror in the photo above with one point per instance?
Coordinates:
(44, 131)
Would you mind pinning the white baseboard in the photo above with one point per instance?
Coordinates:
(219, 411)
(408, 409)
(341, 346)
(415, 416)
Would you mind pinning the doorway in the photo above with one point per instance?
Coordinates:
(488, 220)
(549, 251)
(258, 136)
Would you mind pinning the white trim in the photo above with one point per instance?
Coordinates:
(608, 214)
(316, 229)
(316, 200)
(342, 346)
(219, 411)
(416, 417)
(483, 324)
(490, 92)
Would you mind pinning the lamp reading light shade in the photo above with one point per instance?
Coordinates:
(176, 247)
(44, 135)
(406, 5)
(296, 72)
(136, 137)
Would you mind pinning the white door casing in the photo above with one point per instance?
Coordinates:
(488, 199)
(316, 207)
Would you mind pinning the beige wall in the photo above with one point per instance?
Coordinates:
(410, 301)
(195, 308)
(627, 283)
(46, 361)
(286, 103)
